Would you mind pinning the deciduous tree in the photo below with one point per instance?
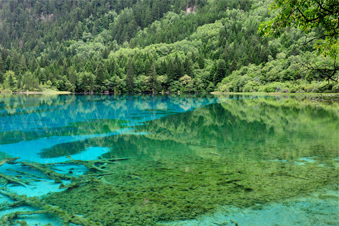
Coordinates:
(308, 15)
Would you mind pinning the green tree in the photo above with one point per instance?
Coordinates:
(178, 67)
(220, 72)
(130, 76)
(105, 53)
(86, 81)
(213, 70)
(188, 67)
(1, 70)
(153, 78)
(86, 13)
(72, 78)
(89, 67)
(170, 72)
(201, 61)
(233, 65)
(100, 74)
(60, 35)
(37, 8)
(10, 80)
(307, 15)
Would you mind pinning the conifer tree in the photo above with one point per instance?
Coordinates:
(111, 67)
(89, 67)
(212, 72)
(153, 77)
(105, 53)
(170, 72)
(178, 67)
(100, 74)
(220, 72)
(2, 69)
(188, 67)
(233, 65)
(60, 35)
(130, 76)
(201, 61)
(72, 77)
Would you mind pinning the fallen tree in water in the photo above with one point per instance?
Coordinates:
(47, 169)
(9, 219)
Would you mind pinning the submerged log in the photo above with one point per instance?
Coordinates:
(46, 169)
(24, 173)
(95, 162)
(74, 184)
(91, 165)
(57, 177)
(9, 219)
(66, 218)
(13, 179)
(8, 160)
(96, 165)
(5, 205)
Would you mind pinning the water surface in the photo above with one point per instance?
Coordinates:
(188, 156)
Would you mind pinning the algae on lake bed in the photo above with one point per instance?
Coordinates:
(165, 190)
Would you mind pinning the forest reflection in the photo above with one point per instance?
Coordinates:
(257, 128)
(25, 118)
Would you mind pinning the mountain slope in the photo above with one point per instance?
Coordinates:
(139, 46)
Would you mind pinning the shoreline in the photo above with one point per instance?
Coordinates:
(212, 93)
(37, 92)
(43, 92)
(272, 94)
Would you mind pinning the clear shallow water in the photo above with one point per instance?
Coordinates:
(187, 155)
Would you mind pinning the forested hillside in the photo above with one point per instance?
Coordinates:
(153, 45)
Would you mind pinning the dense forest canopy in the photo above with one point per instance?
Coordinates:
(153, 45)
(308, 15)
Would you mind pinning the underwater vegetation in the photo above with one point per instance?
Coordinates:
(156, 191)
(124, 192)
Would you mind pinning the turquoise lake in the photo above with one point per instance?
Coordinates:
(178, 159)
